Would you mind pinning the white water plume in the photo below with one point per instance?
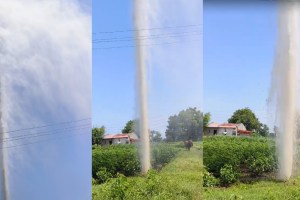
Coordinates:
(169, 62)
(285, 85)
(45, 71)
(174, 65)
(141, 22)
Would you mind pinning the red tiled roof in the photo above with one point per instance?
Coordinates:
(224, 125)
(116, 136)
(244, 132)
(229, 125)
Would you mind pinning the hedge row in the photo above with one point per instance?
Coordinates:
(107, 162)
(227, 157)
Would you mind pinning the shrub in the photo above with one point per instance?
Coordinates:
(228, 175)
(256, 155)
(209, 180)
(94, 182)
(260, 165)
(118, 187)
(124, 159)
(103, 175)
(163, 153)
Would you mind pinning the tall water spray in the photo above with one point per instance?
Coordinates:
(140, 19)
(284, 85)
(45, 72)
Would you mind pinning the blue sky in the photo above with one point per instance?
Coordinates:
(239, 47)
(173, 82)
(239, 44)
(113, 69)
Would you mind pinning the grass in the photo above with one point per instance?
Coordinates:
(187, 170)
(180, 179)
(269, 190)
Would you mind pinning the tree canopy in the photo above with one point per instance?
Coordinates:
(97, 135)
(187, 125)
(206, 120)
(264, 130)
(155, 136)
(247, 117)
(129, 127)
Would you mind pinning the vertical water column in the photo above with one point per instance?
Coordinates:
(287, 69)
(140, 20)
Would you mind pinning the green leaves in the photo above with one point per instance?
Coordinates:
(97, 135)
(228, 175)
(254, 155)
(124, 159)
(247, 117)
(187, 125)
(129, 127)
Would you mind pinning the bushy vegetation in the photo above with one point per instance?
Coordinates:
(180, 179)
(227, 158)
(115, 159)
(124, 159)
(162, 153)
(209, 180)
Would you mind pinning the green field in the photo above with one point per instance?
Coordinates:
(265, 190)
(254, 161)
(179, 179)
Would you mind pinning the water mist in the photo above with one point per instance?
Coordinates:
(140, 19)
(45, 72)
(284, 85)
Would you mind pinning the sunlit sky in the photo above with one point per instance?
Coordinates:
(239, 47)
(174, 80)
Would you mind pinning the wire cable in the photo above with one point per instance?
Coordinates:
(170, 35)
(127, 46)
(147, 29)
(43, 126)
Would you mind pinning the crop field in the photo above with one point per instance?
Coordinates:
(244, 168)
(177, 176)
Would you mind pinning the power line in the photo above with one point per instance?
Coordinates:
(43, 126)
(169, 35)
(147, 29)
(24, 144)
(127, 46)
(58, 131)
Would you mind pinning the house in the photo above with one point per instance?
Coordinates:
(227, 129)
(121, 138)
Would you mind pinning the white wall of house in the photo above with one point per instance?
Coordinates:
(106, 142)
(221, 131)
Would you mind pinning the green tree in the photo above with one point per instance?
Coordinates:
(206, 120)
(247, 117)
(187, 125)
(155, 136)
(129, 127)
(97, 135)
(263, 130)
